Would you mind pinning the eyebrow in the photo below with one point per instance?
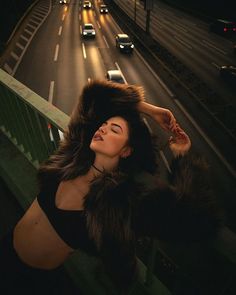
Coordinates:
(114, 124)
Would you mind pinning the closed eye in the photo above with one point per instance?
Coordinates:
(114, 130)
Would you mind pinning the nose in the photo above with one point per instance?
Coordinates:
(102, 129)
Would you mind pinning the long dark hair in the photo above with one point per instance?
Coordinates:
(74, 156)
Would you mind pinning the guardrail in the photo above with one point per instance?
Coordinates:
(29, 121)
(33, 126)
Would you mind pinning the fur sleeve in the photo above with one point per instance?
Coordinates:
(185, 209)
(109, 212)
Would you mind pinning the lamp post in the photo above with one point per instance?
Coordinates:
(148, 6)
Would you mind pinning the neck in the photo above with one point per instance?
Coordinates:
(97, 169)
(102, 164)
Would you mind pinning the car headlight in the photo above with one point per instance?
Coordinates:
(122, 46)
(132, 46)
(93, 33)
(84, 33)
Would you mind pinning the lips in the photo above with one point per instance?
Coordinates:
(97, 137)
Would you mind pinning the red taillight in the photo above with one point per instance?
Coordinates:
(225, 29)
(49, 126)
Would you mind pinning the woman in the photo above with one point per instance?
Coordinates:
(107, 143)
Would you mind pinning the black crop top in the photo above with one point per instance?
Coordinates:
(69, 224)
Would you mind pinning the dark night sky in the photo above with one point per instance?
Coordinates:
(217, 8)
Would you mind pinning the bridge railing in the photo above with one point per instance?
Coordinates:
(29, 121)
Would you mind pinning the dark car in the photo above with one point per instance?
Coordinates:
(124, 43)
(103, 8)
(64, 1)
(228, 73)
(115, 76)
(223, 27)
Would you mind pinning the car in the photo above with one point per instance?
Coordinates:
(115, 76)
(103, 8)
(228, 73)
(88, 30)
(87, 4)
(64, 1)
(223, 27)
(124, 43)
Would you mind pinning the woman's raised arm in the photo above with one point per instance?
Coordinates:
(179, 142)
(162, 116)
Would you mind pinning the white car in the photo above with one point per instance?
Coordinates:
(115, 76)
(87, 4)
(88, 30)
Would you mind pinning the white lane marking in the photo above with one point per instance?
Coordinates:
(208, 141)
(56, 52)
(105, 40)
(215, 65)
(208, 44)
(161, 151)
(165, 160)
(63, 17)
(51, 90)
(60, 30)
(84, 51)
(155, 75)
(98, 24)
(121, 72)
(182, 42)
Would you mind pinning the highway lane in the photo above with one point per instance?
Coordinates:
(59, 62)
(190, 40)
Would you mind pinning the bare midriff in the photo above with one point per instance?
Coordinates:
(37, 243)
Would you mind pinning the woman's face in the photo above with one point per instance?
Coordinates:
(111, 139)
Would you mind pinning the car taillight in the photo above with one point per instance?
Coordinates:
(225, 29)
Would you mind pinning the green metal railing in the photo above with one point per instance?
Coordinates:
(33, 125)
(29, 121)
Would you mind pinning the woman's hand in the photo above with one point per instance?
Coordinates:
(180, 143)
(162, 116)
